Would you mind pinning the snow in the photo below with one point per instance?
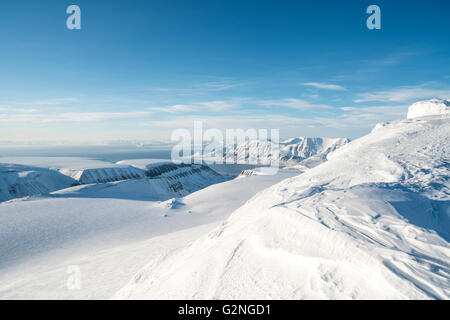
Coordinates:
(370, 223)
(28, 176)
(291, 151)
(110, 230)
(431, 107)
(368, 219)
(303, 148)
(20, 181)
(145, 164)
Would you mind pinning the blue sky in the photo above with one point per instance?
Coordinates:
(139, 69)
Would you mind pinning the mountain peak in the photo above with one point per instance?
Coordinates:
(429, 108)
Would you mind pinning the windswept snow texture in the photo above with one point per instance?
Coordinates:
(431, 107)
(371, 222)
(109, 230)
(50, 221)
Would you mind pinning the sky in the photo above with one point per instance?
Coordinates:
(137, 70)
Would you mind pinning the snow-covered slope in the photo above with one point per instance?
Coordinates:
(19, 181)
(23, 232)
(26, 176)
(177, 182)
(433, 107)
(102, 174)
(371, 222)
(108, 230)
(144, 164)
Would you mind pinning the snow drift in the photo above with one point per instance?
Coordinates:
(370, 223)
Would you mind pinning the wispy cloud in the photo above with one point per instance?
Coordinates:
(208, 106)
(54, 102)
(198, 89)
(10, 109)
(289, 126)
(228, 105)
(292, 103)
(364, 69)
(403, 94)
(380, 112)
(326, 86)
(394, 58)
(95, 116)
(70, 116)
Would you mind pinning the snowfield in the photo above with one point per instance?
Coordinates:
(110, 230)
(373, 222)
(370, 222)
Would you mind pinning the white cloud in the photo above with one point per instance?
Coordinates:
(292, 103)
(208, 106)
(178, 108)
(380, 113)
(199, 89)
(326, 86)
(404, 94)
(54, 102)
(312, 96)
(10, 109)
(95, 116)
(70, 116)
(348, 108)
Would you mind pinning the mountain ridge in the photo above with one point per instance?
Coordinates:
(370, 223)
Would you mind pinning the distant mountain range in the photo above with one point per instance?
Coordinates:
(291, 151)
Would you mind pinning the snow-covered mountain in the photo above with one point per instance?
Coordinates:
(18, 181)
(165, 182)
(27, 176)
(371, 222)
(291, 151)
(302, 148)
(431, 107)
